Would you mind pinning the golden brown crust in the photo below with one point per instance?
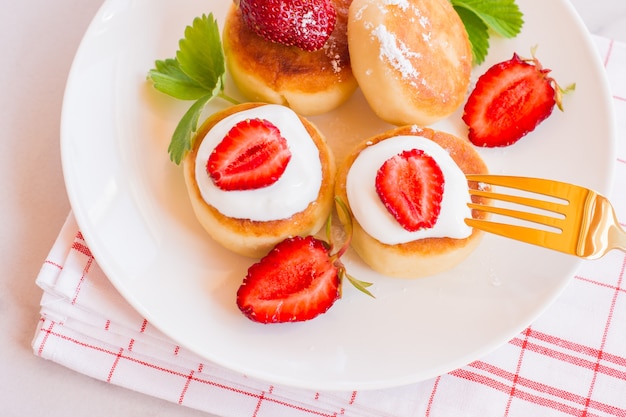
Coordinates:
(413, 63)
(308, 82)
(255, 238)
(423, 257)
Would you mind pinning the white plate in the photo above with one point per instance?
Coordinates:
(132, 208)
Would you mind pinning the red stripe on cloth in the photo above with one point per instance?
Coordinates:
(577, 347)
(82, 248)
(90, 261)
(45, 337)
(517, 370)
(542, 388)
(189, 379)
(143, 326)
(119, 356)
(600, 284)
(114, 366)
(529, 383)
(431, 399)
(574, 360)
(518, 393)
(608, 53)
(599, 356)
(258, 404)
(53, 264)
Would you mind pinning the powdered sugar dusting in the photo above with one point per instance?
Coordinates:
(396, 52)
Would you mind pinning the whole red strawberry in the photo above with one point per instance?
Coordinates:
(510, 99)
(296, 281)
(306, 24)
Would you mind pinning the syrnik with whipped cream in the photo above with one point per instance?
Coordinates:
(372, 214)
(298, 186)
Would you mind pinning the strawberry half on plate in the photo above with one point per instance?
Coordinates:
(298, 280)
(510, 99)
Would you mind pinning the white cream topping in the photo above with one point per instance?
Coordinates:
(372, 214)
(293, 192)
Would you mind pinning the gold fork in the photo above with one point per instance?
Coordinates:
(575, 220)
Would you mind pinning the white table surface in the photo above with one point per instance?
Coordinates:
(38, 39)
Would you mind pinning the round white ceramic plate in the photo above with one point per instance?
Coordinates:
(132, 208)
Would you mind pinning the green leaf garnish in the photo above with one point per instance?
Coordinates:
(200, 53)
(170, 79)
(197, 73)
(181, 139)
(480, 16)
(477, 32)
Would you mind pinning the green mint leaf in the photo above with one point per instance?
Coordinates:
(169, 79)
(502, 16)
(197, 73)
(182, 139)
(477, 32)
(200, 53)
(479, 16)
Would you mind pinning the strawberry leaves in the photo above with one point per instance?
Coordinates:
(480, 16)
(197, 73)
(510, 100)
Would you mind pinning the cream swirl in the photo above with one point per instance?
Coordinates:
(293, 192)
(374, 217)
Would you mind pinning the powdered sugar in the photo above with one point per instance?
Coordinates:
(396, 52)
(395, 49)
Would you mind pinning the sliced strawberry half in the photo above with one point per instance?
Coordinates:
(298, 280)
(410, 185)
(510, 99)
(306, 24)
(252, 155)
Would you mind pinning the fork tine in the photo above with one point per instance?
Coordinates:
(555, 222)
(546, 205)
(535, 185)
(524, 234)
(567, 227)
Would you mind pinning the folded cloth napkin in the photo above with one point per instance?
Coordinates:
(571, 361)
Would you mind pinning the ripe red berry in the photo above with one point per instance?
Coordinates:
(306, 24)
(510, 99)
(253, 154)
(410, 185)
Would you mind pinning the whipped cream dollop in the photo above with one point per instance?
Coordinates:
(295, 189)
(372, 214)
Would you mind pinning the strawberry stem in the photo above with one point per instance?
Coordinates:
(358, 284)
(228, 98)
(558, 91)
(347, 225)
